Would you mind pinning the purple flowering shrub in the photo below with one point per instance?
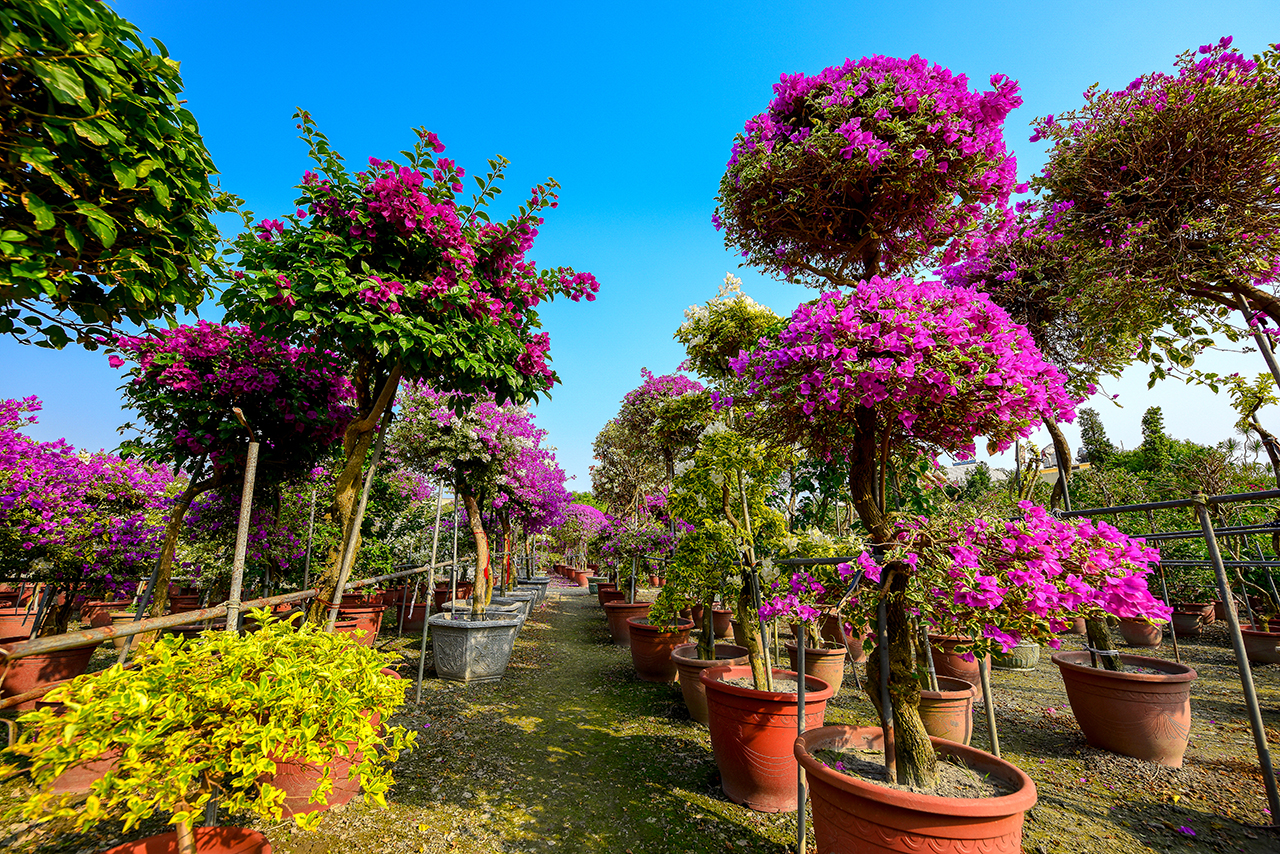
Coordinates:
(867, 168)
(88, 523)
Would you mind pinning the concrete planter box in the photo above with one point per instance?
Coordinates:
(525, 598)
(473, 651)
(537, 584)
(508, 609)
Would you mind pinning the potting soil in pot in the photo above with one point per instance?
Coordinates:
(954, 781)
(780, 685)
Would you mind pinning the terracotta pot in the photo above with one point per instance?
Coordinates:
(948, 712)
(181, 604)
(687, 614)
(656, 581)
(1144, 715)
(830, 629)
(851, 814)
(368, 616)
(1205, 609)
(352, 627)
(753, 733)
(1075, 627)
(1220, 610)
(1023, 658)
(826, 663)
(209, 840)
(689, 670)
(1188, 624)
(618, 613)
(580, 577)
(412, 615)
(35, 671)
(16, 623)
(1141, 633)
(1261, 647)
(720, 618)
(610, 596)
(121, 617)
(948, 662)
(97, 612)
(739, 633)
(651, 648)
(442, 593)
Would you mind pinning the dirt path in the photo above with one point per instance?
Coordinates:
(570, 752)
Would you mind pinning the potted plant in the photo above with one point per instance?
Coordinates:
(216, 719)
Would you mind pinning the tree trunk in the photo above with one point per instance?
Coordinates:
(754, 642)
(172, 528)
(482, 593)
(1100, 639)
(707, 635)
(1272, 445)
(1062, 451)
(356, 442)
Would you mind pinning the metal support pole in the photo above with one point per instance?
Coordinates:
(801, 794)
(882, 648)
(984, 676)
(1242, 662)
(242, 532)
(928, 658)
(453, 571)
(435, 541)
(1164, 589)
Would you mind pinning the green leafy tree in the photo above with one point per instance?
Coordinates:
(104, 179)
(1098, 449)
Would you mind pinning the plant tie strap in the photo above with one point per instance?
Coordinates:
(1103, 651)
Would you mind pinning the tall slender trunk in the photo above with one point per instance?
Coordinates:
(482, 592)
(172, 528)
(1062, 451)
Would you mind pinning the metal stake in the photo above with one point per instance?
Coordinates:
(435, 541)
(1242, 661)
(1164, 589)
(984, 676)
(801, 794)
(242, 532)
(882, 644)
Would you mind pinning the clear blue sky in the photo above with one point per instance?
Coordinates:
(632, 108)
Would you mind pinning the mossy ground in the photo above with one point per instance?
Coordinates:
(570, 752)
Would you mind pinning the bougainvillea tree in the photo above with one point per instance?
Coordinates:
(1165, 194)
(869, 168)
(899, 364)
(104, 176)
(185, 382)
(83, 523)
(394, 270)
(472, 443)
(581, 524)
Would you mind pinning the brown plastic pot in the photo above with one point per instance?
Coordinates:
(97, 612)
(610, 596)
(1075, 627)
(16, 623)
(1188, 624)
(1141, 633)
(948, 712)
(689, 670)
(720, 618)
(209, 840)
(444, 593)
(618, 613)
(753, 735)
(827, 663)
(851, 814)
(1144, 715)
(1205, 609)
(35, 671)
(948, 662)
(368, 616)
(1261, 647)
(580, 577)
(651, 648)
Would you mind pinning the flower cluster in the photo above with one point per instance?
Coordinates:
(868, 166)
(939, 365)
(70, 517)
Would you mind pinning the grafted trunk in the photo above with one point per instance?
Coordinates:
(1100, 639)
(754, 642)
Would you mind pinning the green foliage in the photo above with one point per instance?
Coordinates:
(1098, 449)
(208, 719)
(715, 333)
(104, 175)
(627, 467)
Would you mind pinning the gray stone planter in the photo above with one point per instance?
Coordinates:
(520, 598)
(473, 651)
(538, 584)
(1024, 657)
(506, 609)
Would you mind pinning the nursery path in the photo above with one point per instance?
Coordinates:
(570, 752)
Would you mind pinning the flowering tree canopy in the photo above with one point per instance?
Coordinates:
(867, 168)
(715, 333)
(1167, 192)
(104, 175)
(184, 382)
(403, 278)
(74, 519)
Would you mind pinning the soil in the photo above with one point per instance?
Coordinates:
(781, 685)
(570, 752)
(954, 780)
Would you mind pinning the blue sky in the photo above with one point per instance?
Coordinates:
(632, 109)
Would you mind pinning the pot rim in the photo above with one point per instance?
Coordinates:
(834, 649)
(679, 653)
(1172, 671)
(1013, 803)
(816, 690)
(617, 605)
(970, 690)
(682, 625)
(1248, 627)
(445, 620)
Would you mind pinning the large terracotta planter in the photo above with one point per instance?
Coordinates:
(580, 577)
(35, 671)
(1141, 633)
(368, 616)
(948, 662)
(651, 648)
(209, 840)
(948, 712)
(1144, 715)
(1205, 609)
(720, 618)
(443, 593)
(97, 612)
(1188, 624)
(826, 663)
(16, 623)
(181, 603)
(1261, 647)
(618, 613)
(603, 596)
(753, 733)
(739, 633)
(856, 816)
(689, 670)
(1075, 627)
